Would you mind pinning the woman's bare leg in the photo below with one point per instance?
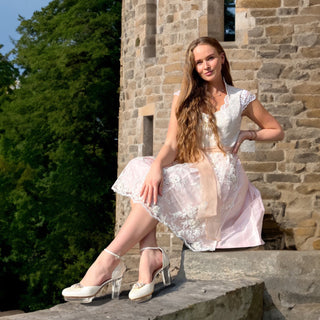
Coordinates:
(136, 227)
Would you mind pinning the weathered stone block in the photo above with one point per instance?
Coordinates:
(239, 54)
(243, 65)
(285, 186)
(309, 64)
(306, 157)
(306, 88)
(269, 193)
(287, 11)
(258, 3)
(315, 76)
(238, 75)
(294, 74)
(316, 244)
(273, 177)
(154, 71)
(133, 149)
(313, 113)
(272, 156)
(310, 101)
(250, 85)
(162, 124)
(260, 166)
(281, 40)
(256, 32)
(257, 41)
(270, 71)
(312, 178)
(263, 12)
(269, 51)
(313, 123)
(174, 67)
(267, 20)
(172, 78)
(314, 10)
(304, 232)
(308, 188)
(307, 40)
(290, 109)
(279, 30)
(291, 3)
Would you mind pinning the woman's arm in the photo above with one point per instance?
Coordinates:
(153, 183)
(270, 130)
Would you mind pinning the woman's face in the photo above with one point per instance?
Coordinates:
(208, 62)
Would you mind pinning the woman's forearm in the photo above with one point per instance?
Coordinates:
(266, 134)
(166, 156)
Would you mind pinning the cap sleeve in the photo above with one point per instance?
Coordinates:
(245, 98)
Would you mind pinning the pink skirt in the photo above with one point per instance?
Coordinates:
(240, 205)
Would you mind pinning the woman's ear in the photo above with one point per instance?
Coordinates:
(222, 55)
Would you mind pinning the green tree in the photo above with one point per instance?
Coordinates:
(59, 137)
(8, 179)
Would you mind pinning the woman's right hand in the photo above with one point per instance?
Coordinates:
(152, 186)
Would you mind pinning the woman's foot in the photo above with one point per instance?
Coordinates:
(108, 268)
(150, 261)
(101, 270)
(153, 261)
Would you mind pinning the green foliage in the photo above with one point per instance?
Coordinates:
(58, 148)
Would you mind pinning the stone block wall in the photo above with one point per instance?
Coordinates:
(276, 56)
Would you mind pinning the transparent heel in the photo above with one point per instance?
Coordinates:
(116, 285)
(166, 278)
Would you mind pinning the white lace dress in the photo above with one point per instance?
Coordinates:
(240, 207)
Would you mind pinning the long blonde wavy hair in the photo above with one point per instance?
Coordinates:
(194, 99)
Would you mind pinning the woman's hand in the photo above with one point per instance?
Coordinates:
(244, 135)
(152, 186)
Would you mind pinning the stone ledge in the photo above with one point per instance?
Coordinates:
(292, 278)
(184, 300)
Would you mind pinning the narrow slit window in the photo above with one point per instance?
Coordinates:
(147, 136)
(151, 28)
(229, 20)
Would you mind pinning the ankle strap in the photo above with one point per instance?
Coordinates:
(150, 248)
(113, 254)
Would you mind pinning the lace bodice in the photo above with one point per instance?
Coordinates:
(228, 118)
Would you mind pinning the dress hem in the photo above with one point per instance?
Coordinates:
(180, 237)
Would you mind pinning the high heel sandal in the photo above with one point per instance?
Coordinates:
(141, 292)
(85, 294)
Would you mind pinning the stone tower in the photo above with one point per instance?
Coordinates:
(275, 55)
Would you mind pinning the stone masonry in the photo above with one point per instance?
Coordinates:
(276, 56)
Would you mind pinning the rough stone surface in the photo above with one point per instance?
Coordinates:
(292, 278)
(183, 300)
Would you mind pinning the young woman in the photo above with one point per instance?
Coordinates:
(196, 185)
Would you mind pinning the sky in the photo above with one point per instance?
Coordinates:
(9, 12)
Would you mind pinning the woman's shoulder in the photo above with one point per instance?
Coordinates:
(244, 95)
(234, 90)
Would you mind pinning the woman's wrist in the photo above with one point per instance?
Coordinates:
(253, 135)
